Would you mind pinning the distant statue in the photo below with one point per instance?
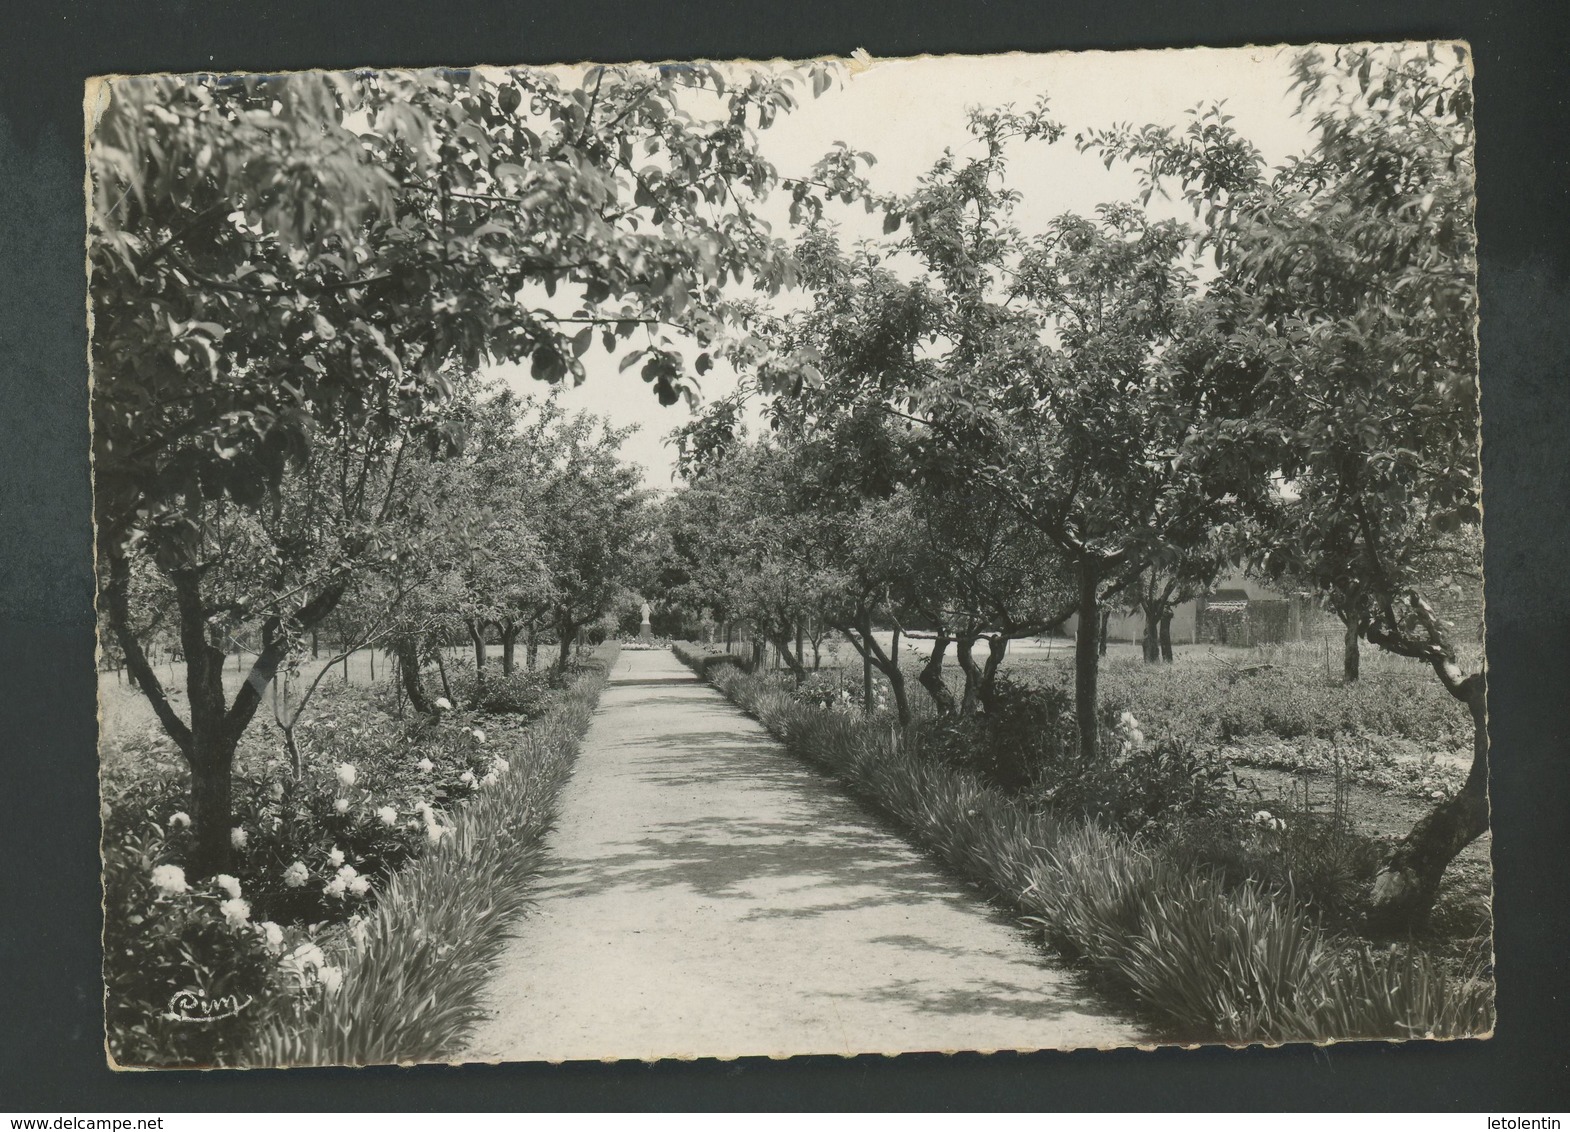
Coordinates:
(646, 631)
(645, 613)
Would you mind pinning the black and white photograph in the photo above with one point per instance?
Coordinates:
(771, 558)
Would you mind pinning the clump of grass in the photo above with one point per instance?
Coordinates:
(414, 974)
(1207, 958)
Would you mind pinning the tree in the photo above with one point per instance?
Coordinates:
(747, 548)
(1044, 370)
(284, 263)
(1351, 272)
(592, 518)
(979, 574)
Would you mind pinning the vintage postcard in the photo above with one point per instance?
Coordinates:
(767, 558)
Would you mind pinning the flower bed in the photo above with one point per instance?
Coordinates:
(323, 864)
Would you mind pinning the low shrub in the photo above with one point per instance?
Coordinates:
(1317, 859)
(1027, 743)
(1022, 742)
(523, 692)
(188, 972)
(832, 690)
(1207, 958)
(706, 660)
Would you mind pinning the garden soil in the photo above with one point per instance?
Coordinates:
(709, 895)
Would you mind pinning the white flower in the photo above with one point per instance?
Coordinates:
(331, 979)
(435, 832)
(347, 774)
(335, 888)
(348, 873)
(229, 884)
(1136, 736)
(303, 959)
(489, 780)
(236, 911)
(272, 934)
(238, 837)
(388, 815)
(467, 778)
(1127, 721)
(179, 820)
(1263, 817)
(170, 879)
(335, 857)
(500, 766)
(341, 805)
(275, 791)
(359, 886)
(295, 875)
(479, 735)
(443, 703)
(426, 765)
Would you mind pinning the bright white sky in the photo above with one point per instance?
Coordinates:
(907, 111)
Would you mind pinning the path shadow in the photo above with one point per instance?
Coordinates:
(1031, 1000)
(792, 869)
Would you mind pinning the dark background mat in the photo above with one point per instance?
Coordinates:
(51, 1053)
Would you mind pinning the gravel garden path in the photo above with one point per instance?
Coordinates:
(709, 895)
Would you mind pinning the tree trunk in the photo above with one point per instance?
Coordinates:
(972, 671)
(212, 772)
(531, 652)
(408, 655)
(441, 670)
(1349, 651)
(791, 659)
(564, 653)
(315, 646)
(209, 740)
(931, 677)
(1106, 626)
(1151, 643)
(1405, 887)
(509, 647)
(888, 664)
(1166, 636)
(212, 741)
(997, 648)
(1086, 656)
(477, 636)
(866, 680)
